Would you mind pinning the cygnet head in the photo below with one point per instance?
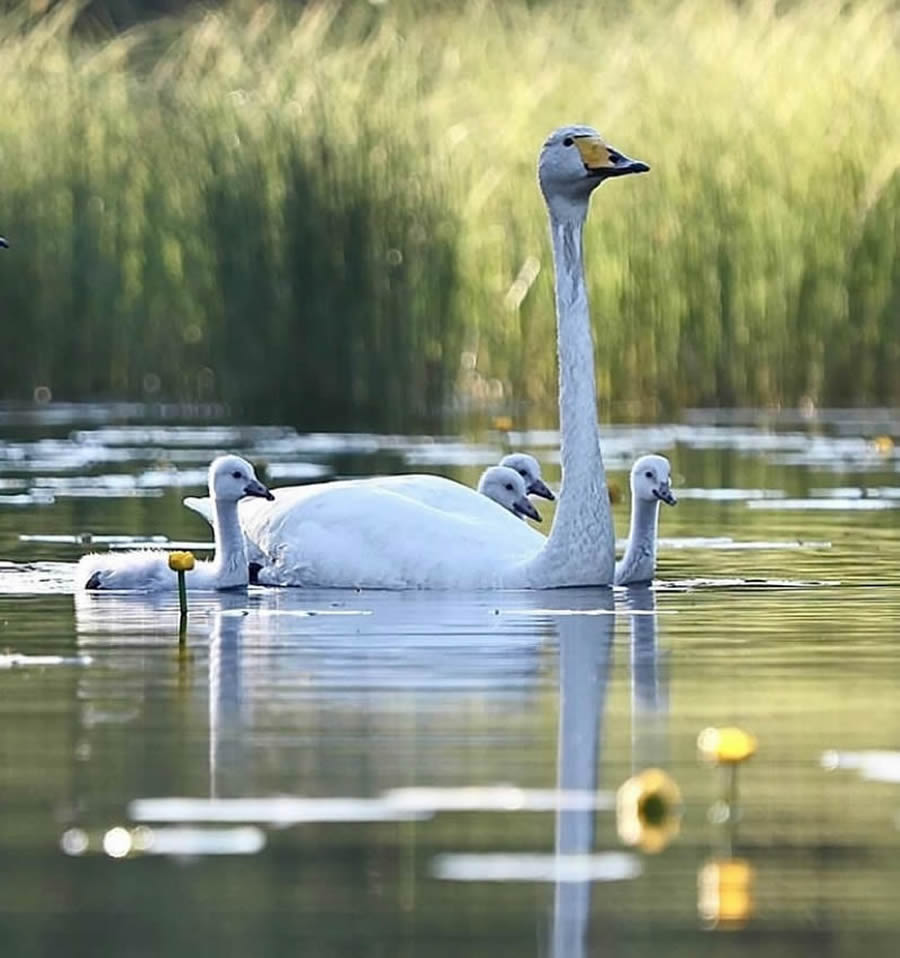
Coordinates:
(574, 161)
(650, 480)
(507, 488)
(529, 469)
(231, 478)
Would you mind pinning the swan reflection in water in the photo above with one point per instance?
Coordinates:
(273, 652)
(331, 647)
(585, 661)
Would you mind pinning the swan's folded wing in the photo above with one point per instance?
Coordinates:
(202, 506)
(369, 534)
(440, 493)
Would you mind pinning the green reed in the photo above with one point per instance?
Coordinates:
(332, 218)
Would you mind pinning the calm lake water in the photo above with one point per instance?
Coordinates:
(373, 774)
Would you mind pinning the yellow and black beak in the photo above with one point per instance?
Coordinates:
(602, 161)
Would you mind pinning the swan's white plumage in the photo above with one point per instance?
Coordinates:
(421, 502)
(436, 493)
(144, 569)
(230, 479)
(322, 535)
(369, 534)
(650, 485)
(202, 505)
(429, 490)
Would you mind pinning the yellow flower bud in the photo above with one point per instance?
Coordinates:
(181, 561)
(725, 746)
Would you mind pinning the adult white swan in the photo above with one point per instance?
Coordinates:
(369, 534)
(230, 479)
(509, 485)
(650, 485)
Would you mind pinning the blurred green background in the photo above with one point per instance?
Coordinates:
(326, 213)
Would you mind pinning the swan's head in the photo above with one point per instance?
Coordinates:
(3, 243)
(507, 488)
(529, 469)
(651, 480)
(574, 161)
(231, 478)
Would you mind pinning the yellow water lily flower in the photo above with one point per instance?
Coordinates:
(725, 746)
(181, 561)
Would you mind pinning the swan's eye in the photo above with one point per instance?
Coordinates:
(614, 157)
(648, 474)
(236, 475)
(568, 141)
(509, 486)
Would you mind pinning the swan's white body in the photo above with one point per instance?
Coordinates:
(323, 535)
(230, 479)
(650, 485)
(445, 500)
(503, 485)
(376, 534)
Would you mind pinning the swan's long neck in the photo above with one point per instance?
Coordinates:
(581, 546)
(639, 562)
(230, 563)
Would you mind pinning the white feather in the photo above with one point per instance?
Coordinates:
(230, 479)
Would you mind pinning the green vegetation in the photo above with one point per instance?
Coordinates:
(314, 217)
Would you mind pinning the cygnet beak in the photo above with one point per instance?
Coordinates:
(540, 488)
(255, 488)
(664, 494)
(522, 507)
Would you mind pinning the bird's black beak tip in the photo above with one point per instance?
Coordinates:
(543, 490)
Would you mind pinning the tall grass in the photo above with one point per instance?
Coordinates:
(314, 217)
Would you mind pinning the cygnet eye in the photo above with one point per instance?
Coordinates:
(648, 474)
(522, 473)
(568, 141)
(236, 474)
(614, 157)
(509, 486)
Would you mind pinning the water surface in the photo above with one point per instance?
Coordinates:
(342, 773)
